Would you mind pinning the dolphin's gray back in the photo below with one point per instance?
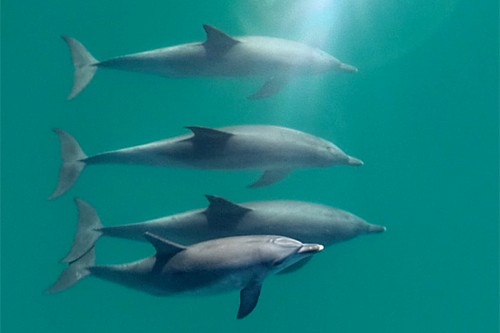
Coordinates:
(252, 56)
(271, 147)
(214, 266)
(220, 55)
(247, 147)
(136, 275)
(175, 61)
(306, 222)
(185, 228)
(276, 56)
(303, 221)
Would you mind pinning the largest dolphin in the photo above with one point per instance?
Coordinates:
(274, 150)
(216, 266)
(219, 55)
(304, 221)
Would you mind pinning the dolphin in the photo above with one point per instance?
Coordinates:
(306, 222)
(274, 150)
(211, 267)
(220, 55)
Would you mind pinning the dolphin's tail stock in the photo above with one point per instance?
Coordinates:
(87, 232)
(73, 163)
(75, 271)
(84, 65)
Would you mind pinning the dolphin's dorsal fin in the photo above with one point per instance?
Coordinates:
(207, 142)
(249, 296)
(208, 134)
(162, 246)
(217, 42)
(224, 212)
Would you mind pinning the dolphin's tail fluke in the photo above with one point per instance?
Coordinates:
(75, 271)
(84, 65)
(73, 163)
(87, 233)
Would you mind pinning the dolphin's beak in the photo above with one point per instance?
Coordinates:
(375, 229)
(348, 68)
(354, 161)
(310, 248)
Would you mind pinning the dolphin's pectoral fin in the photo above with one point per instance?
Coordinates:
(217, 42)
(270, 177)
(295, 267)
(223, 212)
(249, 296)
(162, 246)
(270, 88)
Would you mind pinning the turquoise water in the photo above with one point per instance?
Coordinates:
(422, 113)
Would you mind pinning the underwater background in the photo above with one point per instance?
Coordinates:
(422, 113)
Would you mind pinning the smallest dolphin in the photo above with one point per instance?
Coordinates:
(220, 55)
(211, 267)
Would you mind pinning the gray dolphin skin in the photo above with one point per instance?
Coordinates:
(219, 55)
(306, 222)
(274, 150)
(211, 267)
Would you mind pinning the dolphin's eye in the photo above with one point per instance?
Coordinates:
(287, 242)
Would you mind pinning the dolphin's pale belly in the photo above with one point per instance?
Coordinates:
(205, 283)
